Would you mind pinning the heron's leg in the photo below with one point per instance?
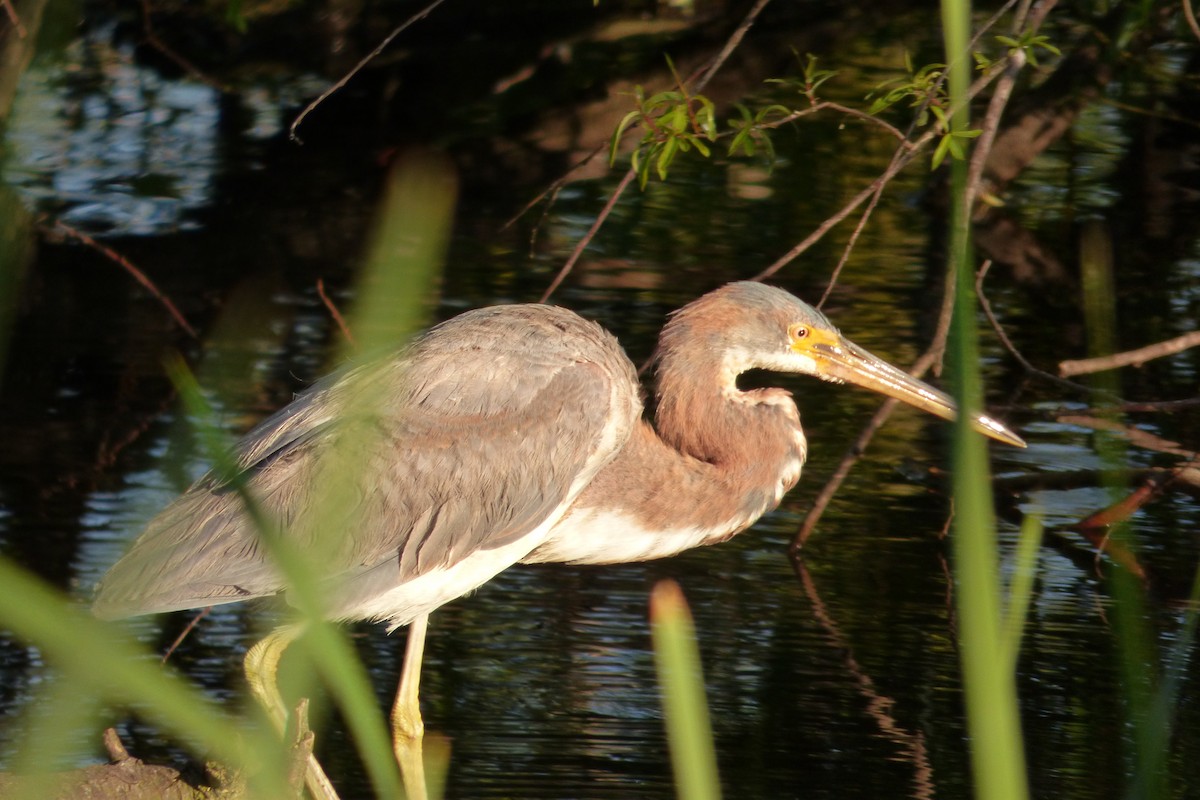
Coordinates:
(261, 665)
(408, 728)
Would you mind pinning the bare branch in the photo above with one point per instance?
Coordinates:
(137, 274)
(582, 244)
(730, 45)
(1008, 345)
(1190, 15)
(333, 312)
(1130, 358)
(14, 19)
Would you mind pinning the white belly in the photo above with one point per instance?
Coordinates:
(601, 536)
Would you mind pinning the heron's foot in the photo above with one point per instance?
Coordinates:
(262, 663)
(408, 737)
(407, 725)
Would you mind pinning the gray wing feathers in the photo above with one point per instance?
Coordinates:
(470, 440)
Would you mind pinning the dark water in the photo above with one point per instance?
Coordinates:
(837, 680)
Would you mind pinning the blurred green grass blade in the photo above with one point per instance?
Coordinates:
(326, 646)
(1020, 589)
(99, 658)
(989, 685)
(681, 683)
(406, 252)
(410, 236)
(1137, 652)
(58, 713)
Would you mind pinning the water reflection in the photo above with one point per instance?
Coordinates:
(110, 146)
(843, 683)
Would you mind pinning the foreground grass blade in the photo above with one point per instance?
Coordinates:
(682, 686)
(989, 683)
(1020, 589)
(98, 659)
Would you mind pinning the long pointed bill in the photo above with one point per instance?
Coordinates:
(845, 361)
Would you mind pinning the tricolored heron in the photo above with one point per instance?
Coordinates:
(509, 434)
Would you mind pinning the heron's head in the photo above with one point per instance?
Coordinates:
(753, 326)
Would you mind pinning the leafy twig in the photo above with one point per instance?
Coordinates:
(730, 45)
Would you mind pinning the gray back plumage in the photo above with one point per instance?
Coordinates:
(468, 440)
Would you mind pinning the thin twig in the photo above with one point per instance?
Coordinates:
(825, 105)
(582, 244)
(990, 127)
(137, 274)
(14, 19)
(986, 307)
(898, 163)
(554, 188)
(333, 312)
(201, 614)
(931, 357)
(730, 45)
(308, 109)
(162, 47)
(1190, 16)
(849, 248)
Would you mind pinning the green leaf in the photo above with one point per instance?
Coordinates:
(626, 121)
(939, 154)
(669, 148)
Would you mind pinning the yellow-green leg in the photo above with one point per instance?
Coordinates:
(261, 665)
(408, 729)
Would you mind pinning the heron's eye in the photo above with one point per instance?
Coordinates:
(799, 332)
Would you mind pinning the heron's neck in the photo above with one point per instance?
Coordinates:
(701, 413)
(714, 462)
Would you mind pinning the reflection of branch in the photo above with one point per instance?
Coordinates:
(1130, 358)
(911, 743)
(137, 274)
(1135, 436)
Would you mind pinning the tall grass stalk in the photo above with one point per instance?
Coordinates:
(1147, 702)
(681, 682)
(989, 683)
